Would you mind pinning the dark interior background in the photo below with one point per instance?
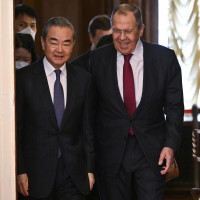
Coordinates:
(80, 12)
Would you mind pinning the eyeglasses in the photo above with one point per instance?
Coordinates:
(125, 32)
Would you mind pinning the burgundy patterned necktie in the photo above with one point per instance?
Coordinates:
(129, 88)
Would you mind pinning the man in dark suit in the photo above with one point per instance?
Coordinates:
(140, 111)
(98, 27)
(55, 152)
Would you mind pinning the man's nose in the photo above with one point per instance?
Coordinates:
(60, 48)
(122, 35)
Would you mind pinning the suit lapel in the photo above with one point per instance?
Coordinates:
(117, 98)
(148, 62)
(71, 84)
(44, 92)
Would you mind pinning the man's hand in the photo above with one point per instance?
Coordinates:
(168, 155)
(91, 180)
(22, 184)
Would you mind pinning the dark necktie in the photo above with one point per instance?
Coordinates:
(58, 98)
(129, 88)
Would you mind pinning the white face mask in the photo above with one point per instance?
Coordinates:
(28, 30)
(19, 64)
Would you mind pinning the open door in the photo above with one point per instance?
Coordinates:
(7, 103)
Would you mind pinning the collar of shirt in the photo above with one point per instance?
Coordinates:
(49, 69)
(136, 62)
(138, 52)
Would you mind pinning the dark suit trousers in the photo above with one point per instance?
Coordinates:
(135, 178)
(64, 188)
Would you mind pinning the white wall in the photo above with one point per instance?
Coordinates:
(7, 103)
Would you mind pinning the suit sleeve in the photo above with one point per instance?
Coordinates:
(19, 115)
(173, 105)
(88, 126)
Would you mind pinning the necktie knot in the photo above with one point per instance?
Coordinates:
(127, 57)
(58, 72)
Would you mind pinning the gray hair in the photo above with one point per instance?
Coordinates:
(57, 21)
(122, 9)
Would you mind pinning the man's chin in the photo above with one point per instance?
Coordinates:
(58, 65)
(124, 51)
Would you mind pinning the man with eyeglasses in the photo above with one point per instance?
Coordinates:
(140, 111)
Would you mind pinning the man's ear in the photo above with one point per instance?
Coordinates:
(42, 43)
(91, 38)
(74, 42)
(142, 30)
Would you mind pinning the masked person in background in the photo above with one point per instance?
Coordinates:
(25, 20)
(25, 53)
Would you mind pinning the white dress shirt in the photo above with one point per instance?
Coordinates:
(136, 62)
(51, 78)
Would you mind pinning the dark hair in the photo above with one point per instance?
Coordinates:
(106, 39)
(26, 41)
(24, 9)
(124, 8)
(99, 22)
(57, 21)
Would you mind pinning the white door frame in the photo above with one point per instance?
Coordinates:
(7, 103)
